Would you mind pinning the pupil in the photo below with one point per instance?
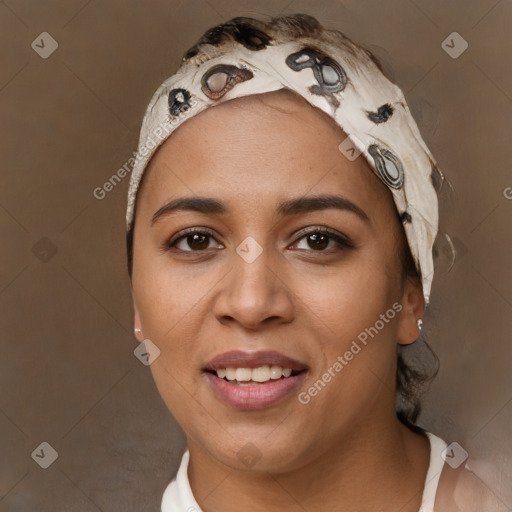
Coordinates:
(318, 241)
(197, 241)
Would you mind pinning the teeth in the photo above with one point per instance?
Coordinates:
(276, 372)
(259, 374)
(243, 374)
(287, 372)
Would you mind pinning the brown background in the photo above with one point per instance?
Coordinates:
(68, 374)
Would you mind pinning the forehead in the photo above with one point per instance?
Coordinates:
(262, 146)
(282, 115)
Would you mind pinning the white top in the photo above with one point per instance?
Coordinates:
(178, 495)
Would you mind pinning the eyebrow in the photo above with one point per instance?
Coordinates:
(290, 207)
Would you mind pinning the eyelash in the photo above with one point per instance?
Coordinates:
(344, 242)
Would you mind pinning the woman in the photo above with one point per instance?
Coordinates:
(280, 251)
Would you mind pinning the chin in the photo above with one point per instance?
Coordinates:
(259, 449)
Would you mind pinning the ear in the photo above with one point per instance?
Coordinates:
(137, 327)
(413, 307)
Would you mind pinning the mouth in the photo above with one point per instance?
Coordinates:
(257, 380)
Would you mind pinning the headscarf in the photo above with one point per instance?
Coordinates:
(246, 56)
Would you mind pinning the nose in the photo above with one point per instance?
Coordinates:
(254, 294)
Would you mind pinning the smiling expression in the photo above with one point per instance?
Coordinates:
(323, 237)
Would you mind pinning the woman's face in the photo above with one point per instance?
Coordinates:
(262, 275)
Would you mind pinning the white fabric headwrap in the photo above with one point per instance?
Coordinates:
(246, 56)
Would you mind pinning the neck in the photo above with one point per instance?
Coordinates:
(372, 468)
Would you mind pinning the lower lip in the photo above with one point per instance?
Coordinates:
(255, 396)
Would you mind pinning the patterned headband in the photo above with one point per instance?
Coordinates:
(246, 56)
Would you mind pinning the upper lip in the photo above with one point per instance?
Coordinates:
(240, 359)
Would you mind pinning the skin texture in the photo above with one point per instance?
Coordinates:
(345, 448)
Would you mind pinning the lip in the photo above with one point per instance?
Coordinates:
(255, 396)
(240, 359)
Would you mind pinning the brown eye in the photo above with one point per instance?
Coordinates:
(322, 239)
(193, 240)
(198, 242)
(318, 241)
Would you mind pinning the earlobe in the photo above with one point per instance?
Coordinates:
(137, 328)
(413, 306)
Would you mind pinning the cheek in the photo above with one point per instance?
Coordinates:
(168, 297)
(174, 303)
(170, 308)
(349, 299)
(353, 313)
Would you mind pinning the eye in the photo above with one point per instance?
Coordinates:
(192, 240)
(198, 240)
(321, 239)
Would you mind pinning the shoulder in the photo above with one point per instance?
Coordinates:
(456, 487)
(460, 490)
